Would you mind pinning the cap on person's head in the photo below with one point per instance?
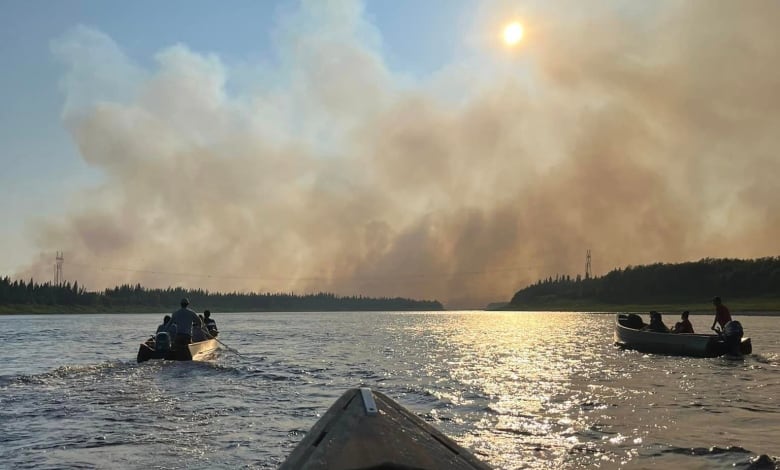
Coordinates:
(184, 302)
(207, 313)
(716, 300)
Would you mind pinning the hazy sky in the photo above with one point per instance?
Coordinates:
(384, 148)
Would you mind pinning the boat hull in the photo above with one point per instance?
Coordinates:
(674, 344)
(376, 432)
(193, 351)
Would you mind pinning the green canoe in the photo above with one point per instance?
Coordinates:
(368, 430)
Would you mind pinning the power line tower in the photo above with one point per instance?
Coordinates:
(58, 278)
(588, 273)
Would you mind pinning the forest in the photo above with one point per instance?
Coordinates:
(21, 294)
(660, 283)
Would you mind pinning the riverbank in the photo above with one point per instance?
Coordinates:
(751, 306)
(75, 309)
(82, 309)
(669, 309)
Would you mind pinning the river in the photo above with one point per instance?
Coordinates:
(521, 390)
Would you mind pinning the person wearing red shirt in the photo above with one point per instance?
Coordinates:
(722, 314)
(684, 325)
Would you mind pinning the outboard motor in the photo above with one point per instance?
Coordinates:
(632, 320)
(162, 342)
(732, 335)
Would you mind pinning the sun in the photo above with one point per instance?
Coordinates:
(513, 33)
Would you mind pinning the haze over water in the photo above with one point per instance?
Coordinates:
(522, 390)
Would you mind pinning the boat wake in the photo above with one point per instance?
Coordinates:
(769, 359)
(756, 462)
(88, 372)
(64, 373)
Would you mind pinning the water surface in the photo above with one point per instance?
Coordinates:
(521, 390)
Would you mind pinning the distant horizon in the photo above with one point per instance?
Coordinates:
(206, 291)
(355, 295)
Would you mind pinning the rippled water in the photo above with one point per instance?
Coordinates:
(522, 390)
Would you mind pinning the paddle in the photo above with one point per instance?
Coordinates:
(220, 342)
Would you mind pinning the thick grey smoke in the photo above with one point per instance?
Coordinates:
(645, 133)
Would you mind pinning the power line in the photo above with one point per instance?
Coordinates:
(59, 260)
(588, 274)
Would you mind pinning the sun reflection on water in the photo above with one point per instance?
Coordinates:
(527, 380)
(550, 390)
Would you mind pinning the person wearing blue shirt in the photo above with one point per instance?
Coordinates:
(184, 321)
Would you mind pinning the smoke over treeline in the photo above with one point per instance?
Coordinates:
(642, 132)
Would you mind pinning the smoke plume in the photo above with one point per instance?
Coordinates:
(642, 132)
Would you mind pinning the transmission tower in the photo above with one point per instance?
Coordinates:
(588, 274)
(58, 278)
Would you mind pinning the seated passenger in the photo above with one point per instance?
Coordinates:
(656, 323)
(211, 325)
(684, 325)
(164, 325)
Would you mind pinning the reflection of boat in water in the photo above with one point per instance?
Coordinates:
(365, 429)
(160, 347)
(629, 334)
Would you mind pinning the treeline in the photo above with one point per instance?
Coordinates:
(683, 282)
(19, 292)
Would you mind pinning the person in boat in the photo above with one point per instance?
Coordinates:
(185, 321)
(199, 334)
(211, 325)
(164, 325)
(722, 314)
(684, 325)
(656, 323)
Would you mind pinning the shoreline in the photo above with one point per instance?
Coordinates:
(738, 313)
(125, 311)
(140, 311)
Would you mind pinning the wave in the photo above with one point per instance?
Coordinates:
(96, 370)
(62, 372)
(758, 462)
(714, 450)
(769, 359)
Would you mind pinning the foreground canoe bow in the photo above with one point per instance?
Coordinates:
(368, 430)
